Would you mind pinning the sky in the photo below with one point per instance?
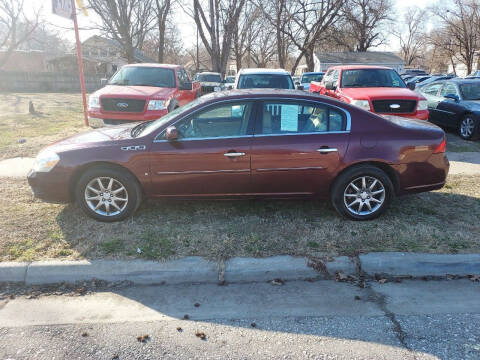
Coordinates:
(186, 24)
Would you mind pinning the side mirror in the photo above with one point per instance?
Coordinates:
(103, 82)
(329, 85)
(185, 86)
(411, 85)
(452, 97)
(300, 87)
(171, 133)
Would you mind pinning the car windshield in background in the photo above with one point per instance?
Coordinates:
(265, 81)
(209, 78)
(310, 78)
(144, 76)
(470, 91)
(371, 78)
(230, 79)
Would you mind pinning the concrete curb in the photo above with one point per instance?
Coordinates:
(198, 270)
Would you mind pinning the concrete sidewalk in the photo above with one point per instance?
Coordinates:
(240, 270)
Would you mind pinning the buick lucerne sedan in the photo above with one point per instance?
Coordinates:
(245, 144)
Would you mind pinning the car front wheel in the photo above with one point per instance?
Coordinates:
(108, 194)
(362, 193)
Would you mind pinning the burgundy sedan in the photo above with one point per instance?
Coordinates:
(246, 144)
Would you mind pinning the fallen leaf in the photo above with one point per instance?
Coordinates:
(196, 304)
(186, 317)
(115, 357)
(278, 282)
(382, 281)
(357, 297)
(179, 329)
(200, 335)
(143, 338)
(340, 276)
(84, 334)
(253, 325)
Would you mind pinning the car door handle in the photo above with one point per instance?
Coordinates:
(234, 154)
(327, 150)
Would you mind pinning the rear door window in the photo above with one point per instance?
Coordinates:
(291, 117)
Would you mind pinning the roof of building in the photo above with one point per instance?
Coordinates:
(368, 57)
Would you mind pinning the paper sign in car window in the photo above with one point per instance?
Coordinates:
(289, 118)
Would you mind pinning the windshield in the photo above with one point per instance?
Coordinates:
(308, 78)
(230, 79)
(470, 91)
(157, 124)
(209, 78)
(144, 76)
(265, 81)
(364, 78)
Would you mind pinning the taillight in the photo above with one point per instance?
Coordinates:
(442, 147)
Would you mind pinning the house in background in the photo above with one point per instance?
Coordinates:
(26, 61)
(100, 55)
(323, 60)
(460, 69)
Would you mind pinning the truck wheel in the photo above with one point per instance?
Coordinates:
(108, 194)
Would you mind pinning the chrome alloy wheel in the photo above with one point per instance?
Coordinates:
(466, 127)
(106, 196)
(364, 195)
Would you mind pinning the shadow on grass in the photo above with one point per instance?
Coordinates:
(430, 222)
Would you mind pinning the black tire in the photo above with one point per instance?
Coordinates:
(342, 190)
(468, 127)
(120, 178)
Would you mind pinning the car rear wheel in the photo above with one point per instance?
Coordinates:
(468, 127)
(108, 194)
(362, 193)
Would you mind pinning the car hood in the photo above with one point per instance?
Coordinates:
(143, 92)
(105, 135)
(380, 93)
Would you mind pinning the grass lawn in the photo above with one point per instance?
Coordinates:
(444, 221)
(57, 116)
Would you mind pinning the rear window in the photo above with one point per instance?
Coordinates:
(263, 81)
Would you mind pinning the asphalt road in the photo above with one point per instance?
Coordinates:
(297, 320)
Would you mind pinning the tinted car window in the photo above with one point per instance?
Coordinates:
(144, 76)
(217, 121)
(371, 78)
(297, 118)
(448, 89)
(470, 91)
(209, 78)
(311, 77)
(270, 81)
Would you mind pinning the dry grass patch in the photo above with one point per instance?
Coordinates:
(444, 221)
(57, 116)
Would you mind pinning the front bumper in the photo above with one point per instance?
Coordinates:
(98, 114)
(419, 115)
(49, 187)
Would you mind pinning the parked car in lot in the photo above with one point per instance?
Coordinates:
(432, 79)
(264, 79)
(209, 81)
(455, 103)
(140, 92)
(246, 144)
(229, 83)
(308, 77)
(374, 88)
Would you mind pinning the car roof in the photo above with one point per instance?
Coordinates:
(263, 71)
(167, 66)
(460, 81)
(208, 73)
(358, 67)
(314, 73)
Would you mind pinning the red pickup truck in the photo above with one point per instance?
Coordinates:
(139, 92)
(377, 89)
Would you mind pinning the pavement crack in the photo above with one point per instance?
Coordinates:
(26, 271)
(381, 302)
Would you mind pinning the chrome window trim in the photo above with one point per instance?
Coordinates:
(269, 98)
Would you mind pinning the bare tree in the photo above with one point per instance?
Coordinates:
(363, 22)
(262, 46)
(15, 27)
(126, 21)
(242, 37)
(412, 36)
(309, 19)
(216, 24)
(459, 30)
(162, 12)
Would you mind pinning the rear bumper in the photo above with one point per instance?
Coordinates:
(49, 187)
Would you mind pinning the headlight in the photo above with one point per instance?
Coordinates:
(157, 105)
(93, 102)
(364, 104)
(45, 161)
(422, 105)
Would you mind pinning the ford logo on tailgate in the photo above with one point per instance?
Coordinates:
(123, 105)
(394, 106)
